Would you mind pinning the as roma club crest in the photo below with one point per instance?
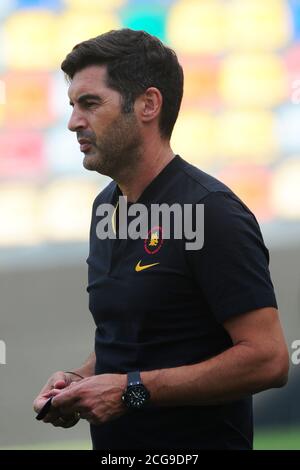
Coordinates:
(154, 241)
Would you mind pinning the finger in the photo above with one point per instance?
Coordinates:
(51, 393)
(66, 422)
(68, 410)
(63, 412)
(51, 416)
(66, 398)
(59, 422)
(40, 402)
(50, 384)
(54, 392)
(60, 384)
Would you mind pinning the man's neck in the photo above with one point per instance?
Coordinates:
(150, 165)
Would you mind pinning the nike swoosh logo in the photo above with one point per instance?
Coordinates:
(145, 266)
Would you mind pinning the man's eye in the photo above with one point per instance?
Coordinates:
(90, 103)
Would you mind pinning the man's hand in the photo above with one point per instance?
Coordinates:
(58, 381)
(96, 398)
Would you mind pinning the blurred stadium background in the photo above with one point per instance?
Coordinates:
(240, 121)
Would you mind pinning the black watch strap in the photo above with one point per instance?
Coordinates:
(133, 378)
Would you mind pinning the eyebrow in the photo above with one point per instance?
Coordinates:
(87, 96)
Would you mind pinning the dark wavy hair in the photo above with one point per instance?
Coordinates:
(135, 61)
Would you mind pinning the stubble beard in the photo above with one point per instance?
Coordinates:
(118, 151)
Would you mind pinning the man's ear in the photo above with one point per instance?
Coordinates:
(149, 105)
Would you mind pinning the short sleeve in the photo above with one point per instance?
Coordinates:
(232, 268)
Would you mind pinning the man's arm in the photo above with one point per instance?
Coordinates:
(88, 368)
(258, 360)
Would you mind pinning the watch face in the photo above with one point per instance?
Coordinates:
(136, 396)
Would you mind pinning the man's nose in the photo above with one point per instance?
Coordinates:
(76, 121)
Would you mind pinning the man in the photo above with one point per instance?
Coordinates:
(197, 331)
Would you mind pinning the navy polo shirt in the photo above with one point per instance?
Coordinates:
(172, 313)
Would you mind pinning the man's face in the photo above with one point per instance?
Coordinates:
(109, 139)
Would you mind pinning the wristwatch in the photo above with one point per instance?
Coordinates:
(136, 395)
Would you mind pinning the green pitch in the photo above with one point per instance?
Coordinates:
(279, 439)
(265, 439)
